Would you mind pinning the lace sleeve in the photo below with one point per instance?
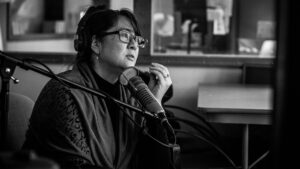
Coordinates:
(55, 127)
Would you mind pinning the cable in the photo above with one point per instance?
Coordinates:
(168, 127)
(212, 144)
(204, 131)
(149, 135)
(259, 159)
(194, 114)
(143, 129)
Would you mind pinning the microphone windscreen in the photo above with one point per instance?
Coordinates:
(144, 95)
(127, 75)
(130, 78)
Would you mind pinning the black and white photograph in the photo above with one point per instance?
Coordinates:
(148, 84)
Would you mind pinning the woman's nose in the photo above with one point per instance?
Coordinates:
(132, 44)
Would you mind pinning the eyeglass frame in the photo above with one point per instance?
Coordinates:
(132, 36)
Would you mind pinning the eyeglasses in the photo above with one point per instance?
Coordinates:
(126, 36)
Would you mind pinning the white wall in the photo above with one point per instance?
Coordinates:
(60, 45)
(117, 4)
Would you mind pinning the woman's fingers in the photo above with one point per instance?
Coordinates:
(159, 69)
(161, 80)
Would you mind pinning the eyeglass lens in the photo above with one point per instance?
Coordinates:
(126, 37)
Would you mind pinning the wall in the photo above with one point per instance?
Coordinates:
(117, 4)
(61, 45)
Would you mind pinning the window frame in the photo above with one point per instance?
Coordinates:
(142, 9)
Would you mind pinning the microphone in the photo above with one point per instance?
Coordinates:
(130, 78)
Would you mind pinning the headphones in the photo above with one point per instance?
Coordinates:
(81, 39)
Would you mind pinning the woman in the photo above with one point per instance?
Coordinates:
(78, 129)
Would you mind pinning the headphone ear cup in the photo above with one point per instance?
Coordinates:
(84, 40)
(80, 40)
(82, 35)
(76, 42)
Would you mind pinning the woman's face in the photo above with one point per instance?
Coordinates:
(114, 53)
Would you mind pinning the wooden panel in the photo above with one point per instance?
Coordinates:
(142, 10)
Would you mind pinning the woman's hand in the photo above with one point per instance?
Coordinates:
(160, 80)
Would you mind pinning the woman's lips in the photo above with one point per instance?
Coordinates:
(130, 57)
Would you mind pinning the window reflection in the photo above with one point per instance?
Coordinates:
(204, 27)
(45, 16)
(38, 17)
(26, 16)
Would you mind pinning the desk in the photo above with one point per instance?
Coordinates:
(237, 104)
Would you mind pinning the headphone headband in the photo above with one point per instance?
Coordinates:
(81, 36)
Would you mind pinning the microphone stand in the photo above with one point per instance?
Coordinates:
(8, 64)
(6, 71)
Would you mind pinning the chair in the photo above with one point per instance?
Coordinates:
(20, 109)
(257, 74)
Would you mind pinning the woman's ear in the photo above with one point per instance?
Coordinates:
(96, 45)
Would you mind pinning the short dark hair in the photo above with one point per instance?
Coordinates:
(96, 20)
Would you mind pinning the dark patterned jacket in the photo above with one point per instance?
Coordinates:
(81, 130)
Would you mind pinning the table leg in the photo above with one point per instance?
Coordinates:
(245, 149)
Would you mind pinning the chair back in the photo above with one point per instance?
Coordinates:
(20, 109)
(257, 74)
